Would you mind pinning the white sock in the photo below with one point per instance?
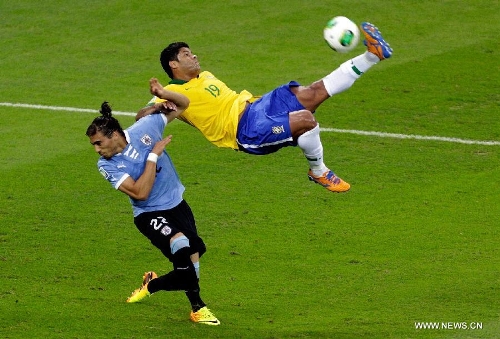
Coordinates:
(363, 62)
(310, 144)
(347, 73)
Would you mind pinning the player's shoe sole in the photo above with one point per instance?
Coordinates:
(142, 292)
(204, 316)
(330, 181)
(375, 42)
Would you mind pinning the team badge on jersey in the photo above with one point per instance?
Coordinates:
(278, 129)
(146, 140)
(166, 231)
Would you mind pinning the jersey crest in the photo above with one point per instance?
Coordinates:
(146, 140)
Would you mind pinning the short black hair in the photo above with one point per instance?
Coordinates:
(170, 53)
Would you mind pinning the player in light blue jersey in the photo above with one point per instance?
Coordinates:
(135, 162)
(166, 193)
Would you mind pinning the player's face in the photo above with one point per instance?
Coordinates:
(188, 62)
(106, 147)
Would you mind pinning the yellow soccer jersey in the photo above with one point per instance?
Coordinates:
(214, 108)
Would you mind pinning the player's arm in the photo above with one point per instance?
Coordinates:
(141, 188)
(168, 108)
(174, 105)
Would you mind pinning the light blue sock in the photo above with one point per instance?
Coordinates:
(197, 268)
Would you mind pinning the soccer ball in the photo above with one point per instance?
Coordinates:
(341, 34)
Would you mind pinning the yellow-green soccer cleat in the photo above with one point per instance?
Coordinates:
(204, 316)
(142, 292)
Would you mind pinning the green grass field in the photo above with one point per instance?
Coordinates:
(415, 240)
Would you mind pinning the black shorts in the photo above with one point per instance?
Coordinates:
(160, 226)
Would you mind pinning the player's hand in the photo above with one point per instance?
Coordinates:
(166, 107)
(155, 87)
(160, 145)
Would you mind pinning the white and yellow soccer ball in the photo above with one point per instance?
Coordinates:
(341, 34)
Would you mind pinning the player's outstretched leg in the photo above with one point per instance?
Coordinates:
(344, 76)
(375, 42)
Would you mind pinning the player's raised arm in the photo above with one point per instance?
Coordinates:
(157, 90)
(174, 105)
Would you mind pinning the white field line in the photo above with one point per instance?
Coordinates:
(59, 108)
(334, 130)
(413, 136)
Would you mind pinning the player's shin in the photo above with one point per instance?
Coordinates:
(312, 148)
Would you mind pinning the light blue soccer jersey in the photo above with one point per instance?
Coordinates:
(141, 137)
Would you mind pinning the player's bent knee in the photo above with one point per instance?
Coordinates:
(177, 243)
(182, 258)
(301, 122)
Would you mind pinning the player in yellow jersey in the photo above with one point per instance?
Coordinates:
(282, 117)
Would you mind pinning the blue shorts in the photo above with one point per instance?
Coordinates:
(264, 127)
